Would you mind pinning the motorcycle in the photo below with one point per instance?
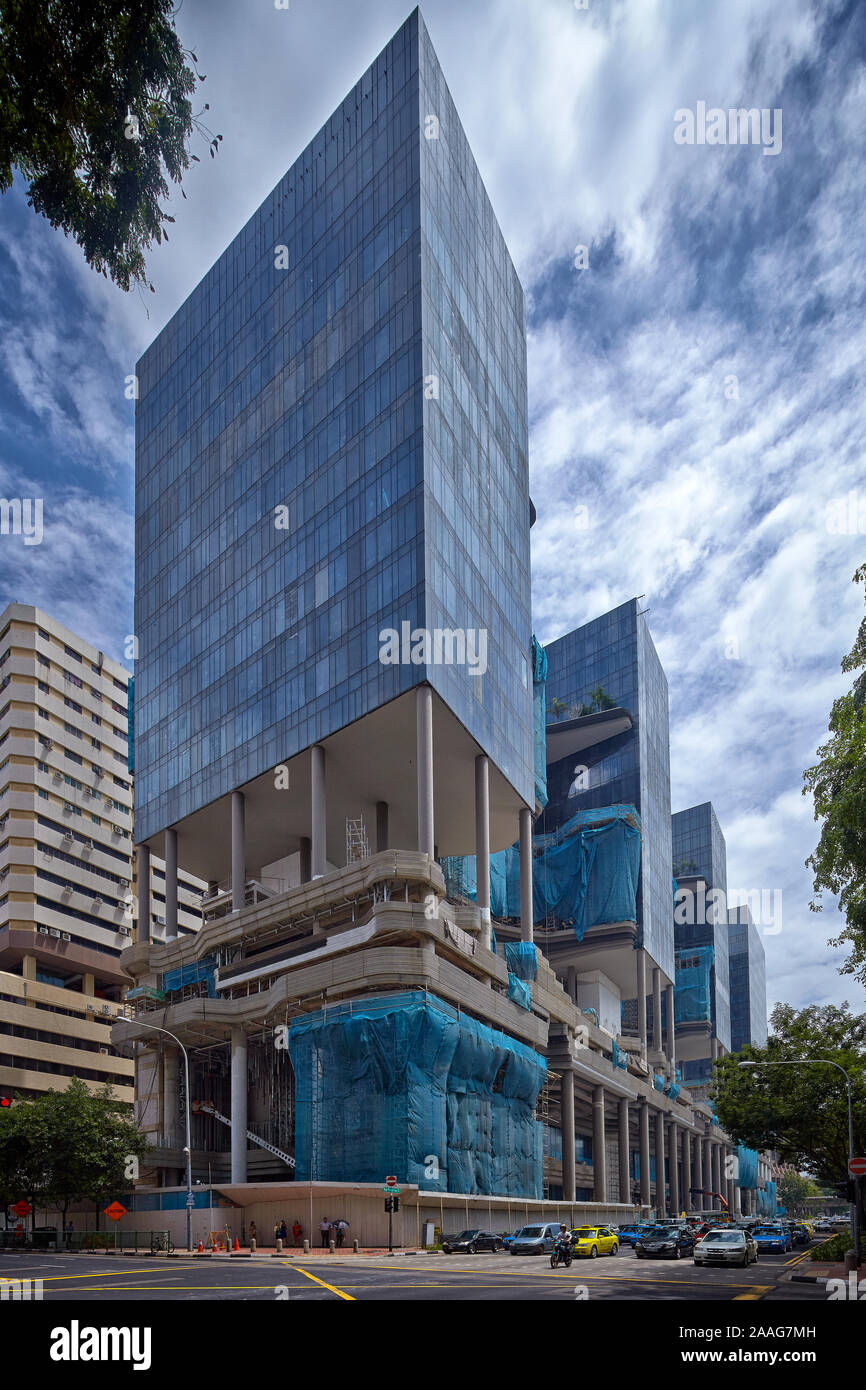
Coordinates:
(562, 1254)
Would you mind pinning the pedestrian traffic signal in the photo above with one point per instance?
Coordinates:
(396, 1201)
(389, 1203)
(846, 1190)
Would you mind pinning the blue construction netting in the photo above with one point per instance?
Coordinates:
(191, 975)
(672, 1090)
(518, 991)
(692, 984)
(620, 1058)
(747, 1167)
(593, 1014)
(584, 874)
(406, 1084)
(658, 1082)
(521, 957)
(539, 721)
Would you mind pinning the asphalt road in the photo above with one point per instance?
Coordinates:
(403, 1277)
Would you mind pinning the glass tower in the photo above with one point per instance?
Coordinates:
(748, 974)
(615, 653)
(331, 442)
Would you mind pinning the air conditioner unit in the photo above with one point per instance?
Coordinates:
(52, 931)
(43, 931)
(106, 1009)
(64, 935)
(125, 931)
(104, 1051)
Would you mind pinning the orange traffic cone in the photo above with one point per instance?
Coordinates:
(237, 1244)
(200, 1248)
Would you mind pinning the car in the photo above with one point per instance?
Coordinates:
(630, 1235)
(724, 1245)
(800, 1233)
(535, 1240)
(772, 1237)
(666, 1241)
(469, 1242)
(590, 1241)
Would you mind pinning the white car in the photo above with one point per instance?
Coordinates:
(724, 1245)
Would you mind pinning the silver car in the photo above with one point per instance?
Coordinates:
(535, 1240)
(724, 1245)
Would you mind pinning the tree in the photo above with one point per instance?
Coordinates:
(68, 1146)
(792, 1190)
(838, 785)
(801, 1112)
(95, 112)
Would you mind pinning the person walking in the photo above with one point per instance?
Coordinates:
(325, 1231)
(297, 1231)
(253, 1232)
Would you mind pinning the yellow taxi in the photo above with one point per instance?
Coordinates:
(591, 1241)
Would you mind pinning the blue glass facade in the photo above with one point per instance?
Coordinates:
(699, 850)
(748, 976)
(616, 652)
(356, 357)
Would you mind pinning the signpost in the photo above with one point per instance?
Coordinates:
(392, 1204)
(857, 1167)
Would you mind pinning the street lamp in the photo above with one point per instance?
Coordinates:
(138, 1023)
(825, 1062)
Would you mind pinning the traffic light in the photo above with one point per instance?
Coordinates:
(5, 1103)
(847, 1191)
(389, 1203)
(396, 1201)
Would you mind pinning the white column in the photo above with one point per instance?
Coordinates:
(239, 1105)
(624, 1175)
(641, 999)
(143, 874)
(599, 1153)
(318, 812)
(568, 1185)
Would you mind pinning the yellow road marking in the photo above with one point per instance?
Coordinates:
(757, 1292)
(330, 1287)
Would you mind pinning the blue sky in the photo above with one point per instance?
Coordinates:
(652, 473)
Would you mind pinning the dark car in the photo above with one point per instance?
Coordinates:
(630, 1235)
(468, 1242)
(666, 1242)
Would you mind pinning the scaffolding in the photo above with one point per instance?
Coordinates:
(357, 844)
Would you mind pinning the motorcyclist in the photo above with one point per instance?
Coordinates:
(563, 1240)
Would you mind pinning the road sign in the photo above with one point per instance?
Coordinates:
(190, 1199)
(391, 1191)
(390, 1181)
(115, 1211)
(22, 1208)
(857, 1167)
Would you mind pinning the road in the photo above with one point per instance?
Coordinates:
(404, 1277)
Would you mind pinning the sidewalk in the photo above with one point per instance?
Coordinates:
(820, 1271)
(296, 1252)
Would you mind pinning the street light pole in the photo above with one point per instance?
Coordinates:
(138, 1023)
(825, 1062)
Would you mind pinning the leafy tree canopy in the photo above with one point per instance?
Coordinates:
(838, 786)
(95, 113)
(801, 1112)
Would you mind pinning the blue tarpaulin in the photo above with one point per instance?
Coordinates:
(692, 984)
(521, 957)
(384, 1083)
(191, 975)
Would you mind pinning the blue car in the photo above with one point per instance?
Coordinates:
(772, 1238)
(630, 1235)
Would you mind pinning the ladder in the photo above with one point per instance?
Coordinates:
(202, 1107)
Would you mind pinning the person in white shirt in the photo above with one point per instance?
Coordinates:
(324, 1231)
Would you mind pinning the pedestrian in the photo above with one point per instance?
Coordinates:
(297, 1231)
(325, 1231)
(254, 1235)
(342, 1228)
(284, 1230)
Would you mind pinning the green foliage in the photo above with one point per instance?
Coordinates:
(838, 786)
(832, 1251)
(67, 1146)
(801, 1112)
(792, 1189)
(95, 113)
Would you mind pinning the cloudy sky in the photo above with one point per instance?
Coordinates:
(696, 391)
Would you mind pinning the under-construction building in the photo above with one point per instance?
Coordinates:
(339, 706)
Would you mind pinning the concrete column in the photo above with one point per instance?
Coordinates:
(661, 1204)
(305, 858)
(526, 915)
(571, 976)
(717, 1167)
(381, 826)
(482, 847)
(239, 1105)
(671, 1038)
(424, 722)
(170, 884)
(318, 813)
(624, 1175)
(645, 1193)
(599, 1155)
(707, 1170)
(239, 852)
(568, 1135)
(688, 1178)
(641, 999)
(143, 871)
(88, 983)
(169, 1094)
(657, 1009)
(673, 1167)
(714, 1048)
